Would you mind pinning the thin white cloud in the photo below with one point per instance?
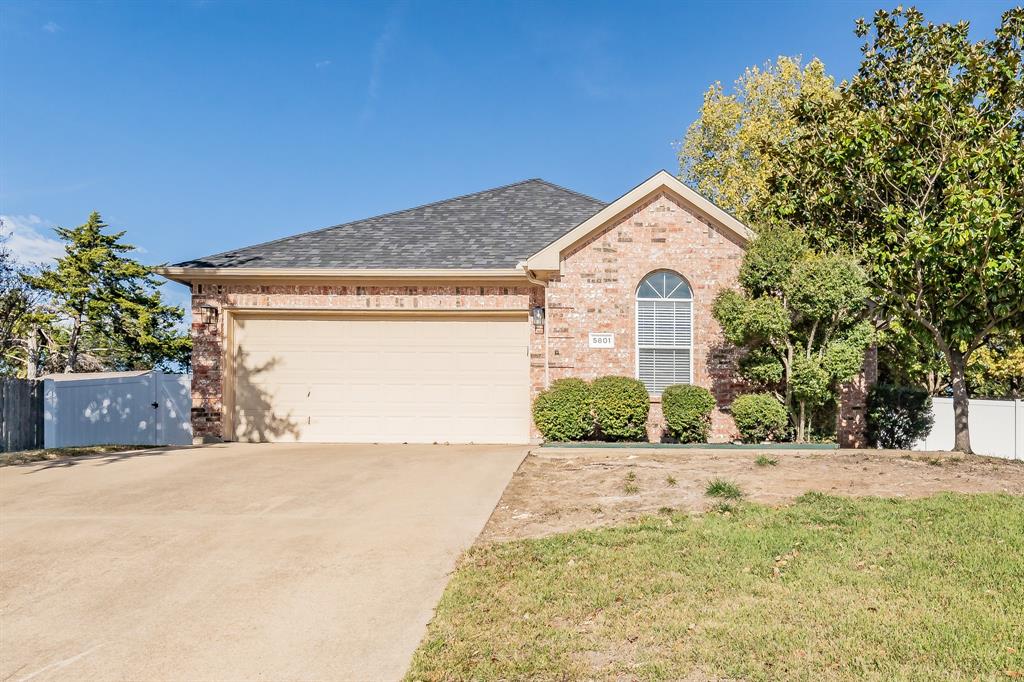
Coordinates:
(29, 239)
(323, 64)
(51, 27)
(381, 50)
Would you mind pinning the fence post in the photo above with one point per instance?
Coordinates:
(1018, 428)
(39, 422)
(49, 414)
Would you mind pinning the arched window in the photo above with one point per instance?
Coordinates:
(664, 331)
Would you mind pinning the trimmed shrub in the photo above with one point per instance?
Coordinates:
(687, 411)
(621, 405)
(898, 416)
(759, 417)
(563, 412)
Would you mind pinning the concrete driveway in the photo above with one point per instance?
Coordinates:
(235, 562)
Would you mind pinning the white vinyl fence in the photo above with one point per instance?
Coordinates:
(131, 408)
(997, 427)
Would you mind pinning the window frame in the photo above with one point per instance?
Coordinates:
(636, 322)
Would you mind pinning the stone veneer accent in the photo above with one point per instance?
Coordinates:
(596, 293)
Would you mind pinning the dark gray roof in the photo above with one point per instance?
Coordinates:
(495, 228)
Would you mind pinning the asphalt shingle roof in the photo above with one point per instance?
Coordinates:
(496, 228)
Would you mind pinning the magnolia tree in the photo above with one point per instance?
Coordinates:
(918, 167)
(997, 368)
(799, 315)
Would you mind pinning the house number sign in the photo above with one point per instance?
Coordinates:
(602, 340)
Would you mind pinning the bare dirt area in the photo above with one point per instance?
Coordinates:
(557, 490)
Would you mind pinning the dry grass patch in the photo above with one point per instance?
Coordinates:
(828, 588)
(567, 490)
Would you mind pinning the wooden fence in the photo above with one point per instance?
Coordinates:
(21, 414)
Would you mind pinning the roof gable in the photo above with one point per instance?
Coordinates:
(549, 258)
(496, 228)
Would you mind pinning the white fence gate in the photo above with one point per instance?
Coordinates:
(997, 427)
(131, 408)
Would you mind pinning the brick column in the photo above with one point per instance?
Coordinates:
(851, 426)
(207, 385)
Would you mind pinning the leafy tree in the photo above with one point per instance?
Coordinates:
(799, 316)
(731, 151)
(107, 308)
(16, 307)
(909, 357)
(997, 368)
(917, 166)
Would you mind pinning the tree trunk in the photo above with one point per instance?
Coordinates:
(787, 401)
(76, 330)
(961, 427)
(32, 353)
(800, 429)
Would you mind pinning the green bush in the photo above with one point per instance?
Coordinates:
(620, 408)
(563, 412)
(687, 411)
(898, 416)
(759, 417)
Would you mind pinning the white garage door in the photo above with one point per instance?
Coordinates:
(391, 380)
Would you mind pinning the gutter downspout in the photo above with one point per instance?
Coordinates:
(543, 285)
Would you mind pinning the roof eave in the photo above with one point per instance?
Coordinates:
(186, 275)
(549, 258)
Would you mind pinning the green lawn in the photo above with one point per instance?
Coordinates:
(828, 588)
(29, 456)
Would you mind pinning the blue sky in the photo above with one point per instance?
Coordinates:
(203, 126)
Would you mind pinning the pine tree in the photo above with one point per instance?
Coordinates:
(107, 306)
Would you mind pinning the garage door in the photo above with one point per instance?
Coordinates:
(392, 380)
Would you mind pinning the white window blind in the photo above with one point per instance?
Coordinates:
(664, 331)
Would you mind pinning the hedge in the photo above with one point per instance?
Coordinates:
(898, 416)
(759, 417)
(563, 412)
(620, 405)
(687, 411)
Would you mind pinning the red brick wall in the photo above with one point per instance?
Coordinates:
(851, 421)
(208, 330)
(595, 292)
(597, 287)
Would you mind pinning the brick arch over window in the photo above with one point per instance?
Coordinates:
(664, 330)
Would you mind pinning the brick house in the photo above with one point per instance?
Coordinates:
(440, 323)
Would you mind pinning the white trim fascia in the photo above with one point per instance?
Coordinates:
(548, 259)
(186, 275)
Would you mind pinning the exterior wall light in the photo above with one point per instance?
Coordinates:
(537, 316)
(208, 314)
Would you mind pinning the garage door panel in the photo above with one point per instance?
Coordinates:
(381, 380)
(284, 393)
